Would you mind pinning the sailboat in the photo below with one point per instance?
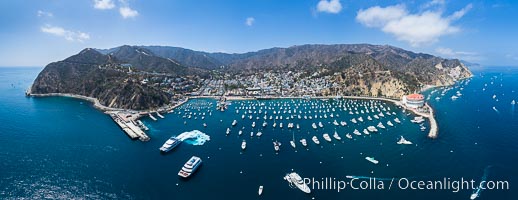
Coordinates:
(292, 142)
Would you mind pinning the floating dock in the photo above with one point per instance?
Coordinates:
(152, 117)
(159, 115)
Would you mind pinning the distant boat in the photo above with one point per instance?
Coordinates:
(402, 140)
(513, 102)
(296, 181)
(243, 145)
(260, 190)
(372, 160)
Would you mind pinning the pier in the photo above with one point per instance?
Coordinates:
(126, 122)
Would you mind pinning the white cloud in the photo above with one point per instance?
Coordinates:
(329, 6)
(42, 13)
(249, 21)
(434, 3)
(463, 55)
(103, 4)
(458, 14)
(126, 11)
(67, 34)
(417, 28)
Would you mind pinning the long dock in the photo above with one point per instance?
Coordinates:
(129, 126)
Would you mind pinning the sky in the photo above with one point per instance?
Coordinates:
(37, 32)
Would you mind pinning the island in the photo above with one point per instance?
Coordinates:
(128, 82)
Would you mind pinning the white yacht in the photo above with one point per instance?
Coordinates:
(234, 122)
(170, 144)
(228, 131)
(326, 137)
(243, 145)
(304, 143)
(336, 136)
(402, 140)
(276, 146)
(372, 160)
(293, 143)
(315, 140)
(253, 124)
(259, 134)
(260, 191)
(348, 136)
(240, 132)
(314, 125)
(397, 120)
(296, 181)
(190, 167)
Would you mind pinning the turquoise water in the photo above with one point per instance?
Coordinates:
(57, 147)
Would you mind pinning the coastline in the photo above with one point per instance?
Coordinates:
(433, 133)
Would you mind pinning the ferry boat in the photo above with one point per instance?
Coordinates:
(372, 160)
(170, 144)
(190, 167)
(296, 181)
(243, 145)
(326, 137)
(402, 140)
(315, 140)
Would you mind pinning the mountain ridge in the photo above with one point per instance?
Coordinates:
(145, 77)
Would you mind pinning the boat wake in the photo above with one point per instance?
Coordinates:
(496, 110)
(478, 190)
(194, 137)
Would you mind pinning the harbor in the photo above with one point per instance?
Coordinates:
(108, 149)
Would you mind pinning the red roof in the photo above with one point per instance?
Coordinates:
(415, 97)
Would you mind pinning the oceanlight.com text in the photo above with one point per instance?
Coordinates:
(453, 185)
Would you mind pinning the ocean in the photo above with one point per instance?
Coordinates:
(63, 148)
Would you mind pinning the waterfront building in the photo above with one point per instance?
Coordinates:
(413, 100)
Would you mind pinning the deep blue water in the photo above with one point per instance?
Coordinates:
(57, 147)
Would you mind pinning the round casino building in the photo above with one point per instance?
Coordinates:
(413, 100)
